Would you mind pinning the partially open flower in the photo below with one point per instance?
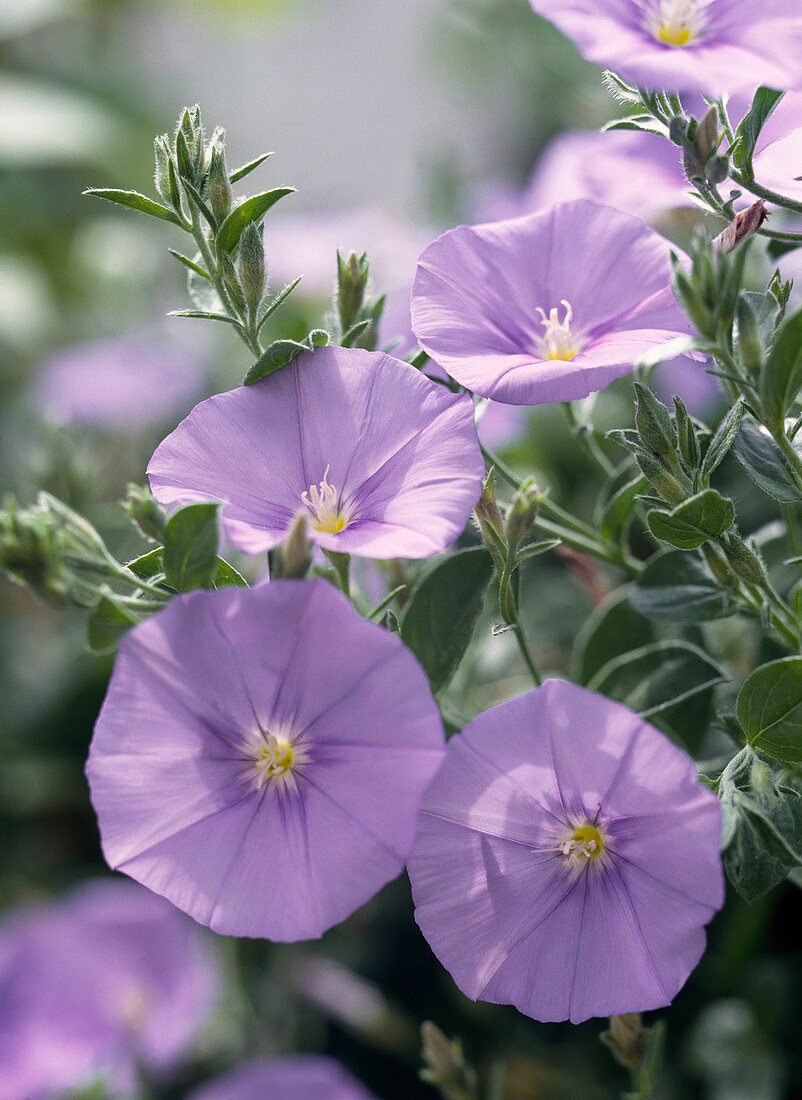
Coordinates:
(567, 858)
(383, 462)
(549, 307)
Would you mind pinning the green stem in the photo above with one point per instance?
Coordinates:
(790, 453)
(555, 521)
(248, 336)
(761, 192)
(586, 437)
(342, 566)
(525, 653)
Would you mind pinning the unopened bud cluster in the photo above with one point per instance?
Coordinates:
(356, 313)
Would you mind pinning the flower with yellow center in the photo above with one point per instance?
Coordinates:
(558, 342)
(584, 846)
(274, 758)
(676, 22)
(323, 501)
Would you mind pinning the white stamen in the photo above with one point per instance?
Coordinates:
(558, 342)
(323, 502)
(676, 22)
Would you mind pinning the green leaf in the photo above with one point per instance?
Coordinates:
(245, 169)
(185, 260)
(205, 315)
(109, 621)
(702, 517)
(534, 549)
(762, 835)
(201, 205)
(657, 679)
(443, 611)
(748, 131)
(777, 827)
(781, 378)
(646, 123)
(276, 302)
(251, 210)
(190, 547)
(350, 337)
(273, 358)
(769, 708)
(148, 565)
(613, 628)
(679, 587)
(723, 439)
(750, 869)
(765, 463)
(135, 201)
(227, 576)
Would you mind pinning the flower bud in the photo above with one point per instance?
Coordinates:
(219, 186)
(295, 553)
(665, 483)
(445, 1064)
(352, 277)
(29, 554)
(653, 423)
(491, 525)
(522, 513)
(626, 1039)
(231, 281)
(252, 265)
(745, 560)
(706, 137)
(161, 173)
(744, 225)
(149, 516)
(750, 343)
(691, 301)
(686, 435)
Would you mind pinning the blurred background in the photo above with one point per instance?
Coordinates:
(394, 122)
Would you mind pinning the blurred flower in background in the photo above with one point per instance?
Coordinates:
(120, 385)
(92, 986)
(302, 1078)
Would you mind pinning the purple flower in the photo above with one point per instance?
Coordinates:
(707, 46)
(633, 171)
(567, 858)
(109, 977)
(383, 462)
(260, 757)
(303, 1077)
(123, 384)
(548, 307)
